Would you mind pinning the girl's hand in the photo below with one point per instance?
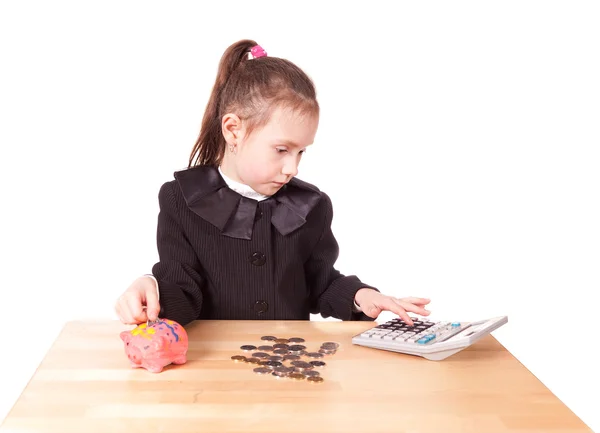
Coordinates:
(372, 303)
(139, 303)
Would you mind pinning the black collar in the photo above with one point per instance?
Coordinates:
(207, 195)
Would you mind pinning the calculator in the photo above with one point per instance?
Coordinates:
(433, 340)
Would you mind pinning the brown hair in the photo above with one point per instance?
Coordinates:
(250, 88)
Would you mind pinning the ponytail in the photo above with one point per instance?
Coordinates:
(210, 144)
(251, 88)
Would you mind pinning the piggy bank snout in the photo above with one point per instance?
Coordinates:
(134, 354)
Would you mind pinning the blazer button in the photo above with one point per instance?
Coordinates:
(261, 307)
(258, 258)
(258, 215)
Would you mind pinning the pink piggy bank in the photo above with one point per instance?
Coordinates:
(153, 347)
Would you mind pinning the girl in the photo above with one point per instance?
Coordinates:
(239, 236)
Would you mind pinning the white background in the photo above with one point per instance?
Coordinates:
(459, 142)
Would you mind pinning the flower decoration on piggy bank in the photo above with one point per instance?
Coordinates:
(156, 345)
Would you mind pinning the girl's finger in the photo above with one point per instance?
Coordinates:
(396, 308)
(138, 315)
(413, 308)
(123, 310)
(118, 311)
(126, 314)
(373, 311)
(413, 300)
(153, 307)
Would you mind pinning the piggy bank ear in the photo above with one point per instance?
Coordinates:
(125, 336)
(160, 343)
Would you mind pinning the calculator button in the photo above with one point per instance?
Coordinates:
(455, 324)
(426, 339)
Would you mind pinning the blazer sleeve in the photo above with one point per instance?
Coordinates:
(331, 293)
(178, 271)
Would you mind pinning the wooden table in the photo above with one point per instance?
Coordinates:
(85, 384)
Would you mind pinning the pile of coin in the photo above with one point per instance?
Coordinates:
(286, 358)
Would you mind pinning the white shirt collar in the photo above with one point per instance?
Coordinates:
(242, 189)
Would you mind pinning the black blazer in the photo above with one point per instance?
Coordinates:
(226, 256)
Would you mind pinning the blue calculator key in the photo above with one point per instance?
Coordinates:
(455, 324)
(426, 339)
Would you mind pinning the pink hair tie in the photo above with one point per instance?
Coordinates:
(257, 51)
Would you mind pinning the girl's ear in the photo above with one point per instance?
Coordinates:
(231, 126)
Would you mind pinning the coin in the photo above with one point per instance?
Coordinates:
(327, 351)
(268, 338)
(314, 355)
(296, 376)
(330, 345)
(265, 348)
(315, 379)
(262, 370)
(252, 360)
(282, 371)
(275, 358)
(302, 364)
(291, 358)
(280, 351)
(281, 346)
(248, 348)
(317, 363)
(282, 340)
(238, 358)
(270, 364)
(312, 373)
(296, 348)
(260, 355)
(296, 340)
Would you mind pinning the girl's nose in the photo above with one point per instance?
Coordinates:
(290, 169)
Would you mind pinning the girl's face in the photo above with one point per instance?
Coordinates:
(269, 157)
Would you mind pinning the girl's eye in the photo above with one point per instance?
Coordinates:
(284, 150)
